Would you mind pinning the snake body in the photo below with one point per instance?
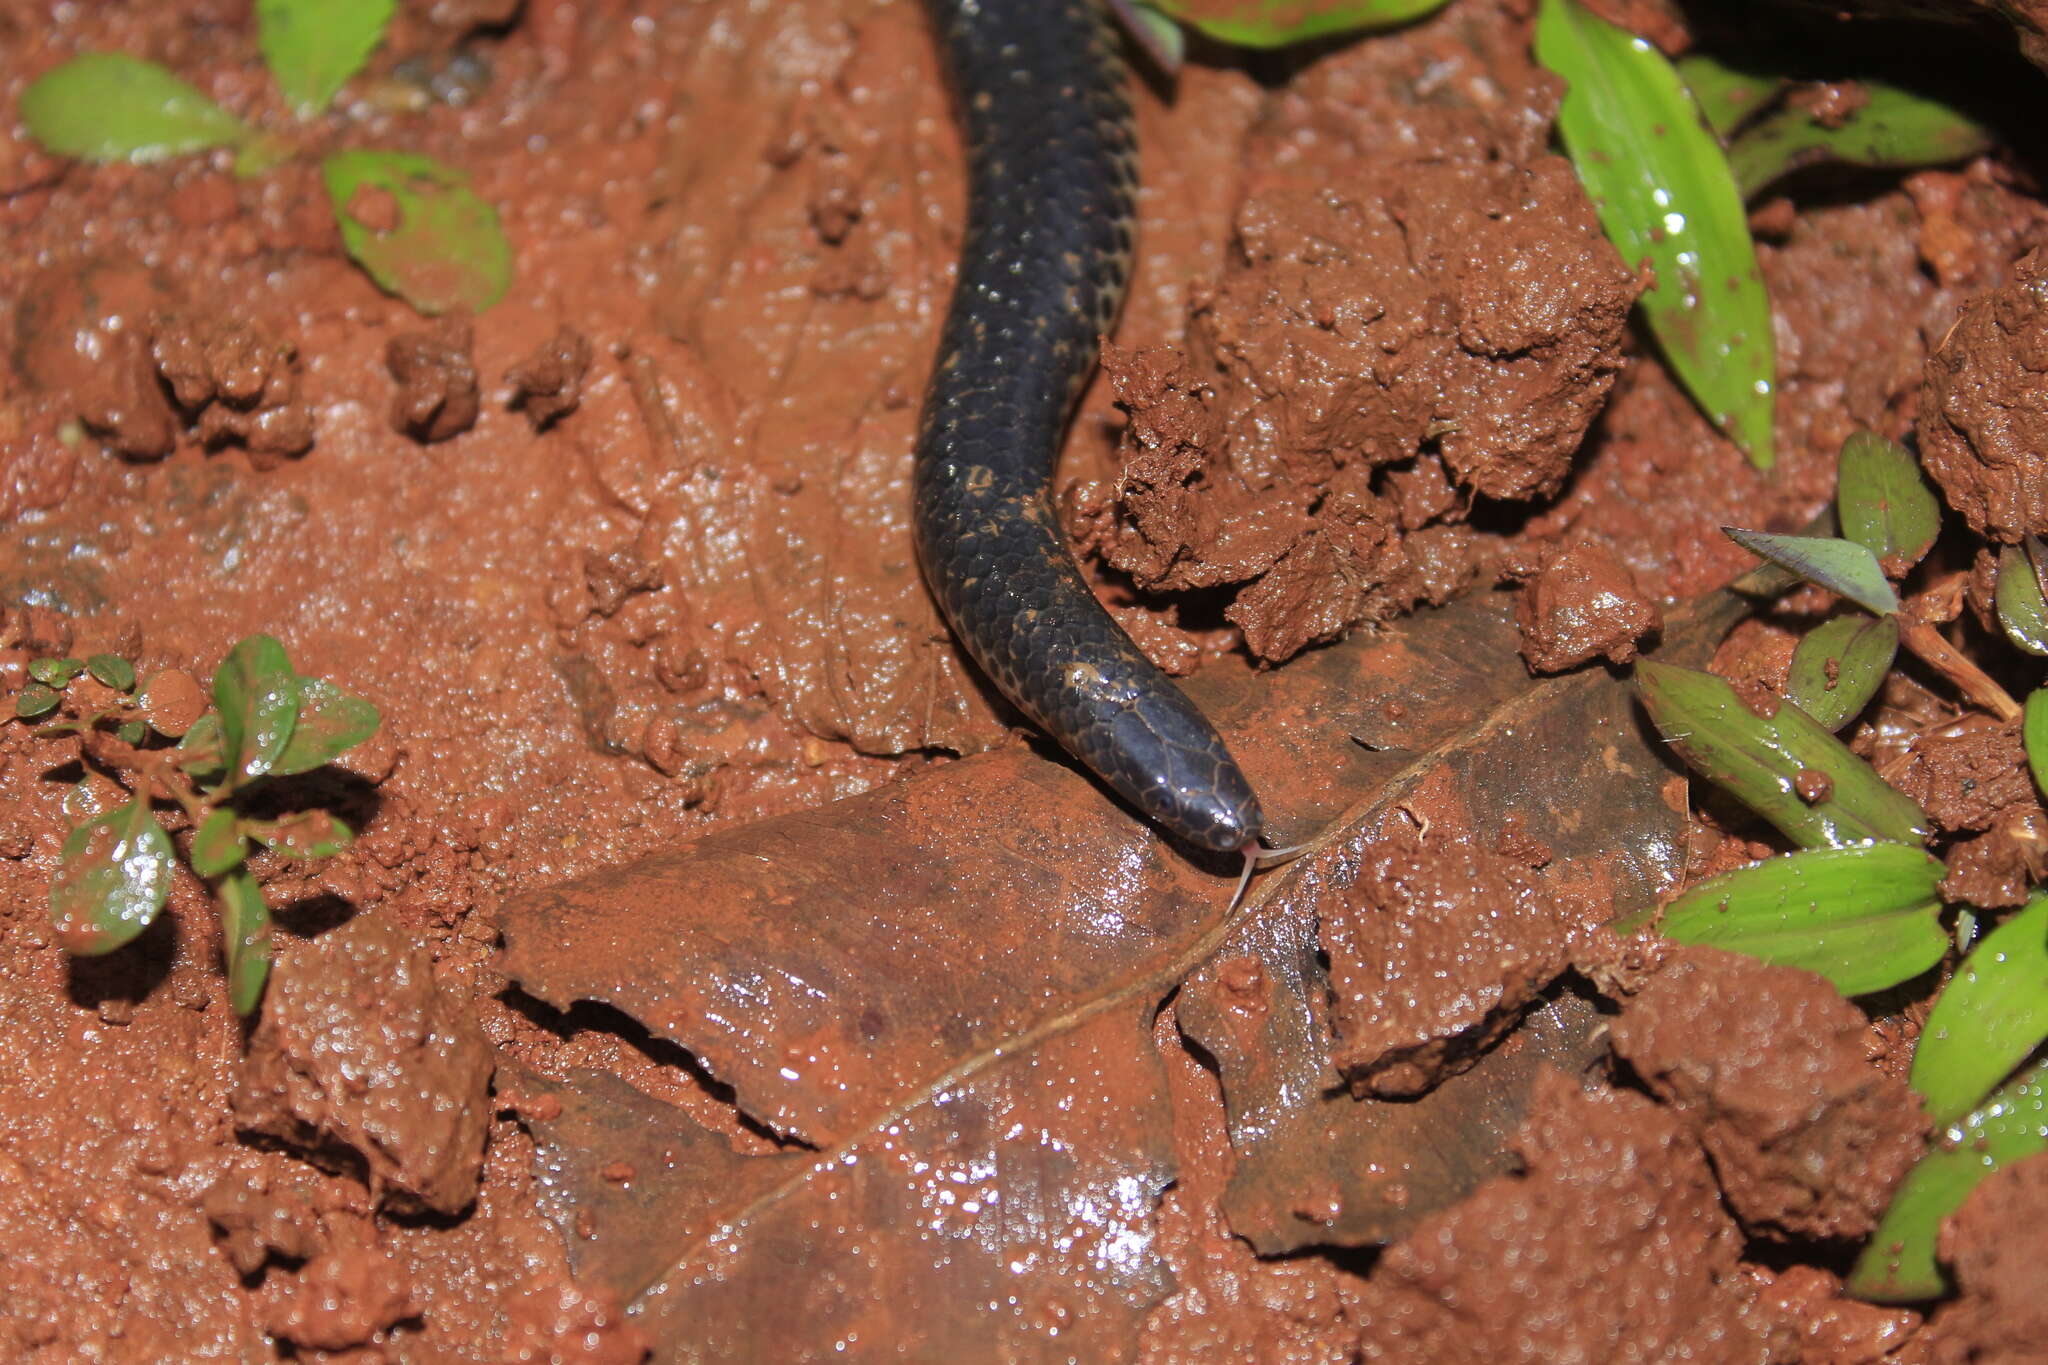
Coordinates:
(1052, 183)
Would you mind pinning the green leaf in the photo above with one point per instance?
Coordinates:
(1899, 1265)
(53, 672)
(2021, 610)
(314, 46)
(131, 732)
(1989, 1017)
(1840, 664)
(1155, 31)
(304, 834)
(1664, 193)
(1866, 917)
(1276, 23)
(113, 670)
(331, 722)
(1840, 566)
(1885, 503)
(1894, 127)
(1762, 760)
(1727, 97)
(443, 248)
(218, 844)
(105, 106)
(112, 877)
(258, 697)
(2034, 730)
(245, 938)
(203, 752)
(36, 699)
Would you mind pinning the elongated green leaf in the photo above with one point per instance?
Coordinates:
(305, 834)
(217, 844)
(1764, 762)
(245, 938)
(1276, 23)
(441, 249)
(1865, 917)
(1664, 193)
(1884, 501)
(1840, 566)
(258, 697)
(1899, 1265)
(1726, 95)
(1840, 664)
(331, 722)
(105, 106)
(112, 877)
(1989, 1017)
(314, 46)
(2021, 609)
(2034, 730)
(1894, 127)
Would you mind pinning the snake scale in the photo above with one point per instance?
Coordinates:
(1040, 88)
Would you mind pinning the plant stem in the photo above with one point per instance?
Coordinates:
(1923, 639)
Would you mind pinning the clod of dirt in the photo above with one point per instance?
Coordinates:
(1582, 604)
(1769, 1067)
(437, 385)
(1967, 774)
(1831, 1328)
(1613, 1246)
(256, 1222)
(123, 405)
(239, 384)
(1996, 1245)
(1434, 951)
(342, 1298)
(1984, 408)
(548, 384)
(1999, 868)
(566, 1324)
(359, 1047)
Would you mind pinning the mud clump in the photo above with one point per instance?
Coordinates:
(548, 385)
(1984, 408)
(342, 1298)
(1434, 952)
(437, 394)
(1769, 1067)
(359, 1048)
(1611, 1246)
(1966, 775)
(228, 383)
(1996, 1244)
(1582, 605)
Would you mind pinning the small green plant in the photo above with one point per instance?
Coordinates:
(1859, 902)
(163, 744)
(413, 224)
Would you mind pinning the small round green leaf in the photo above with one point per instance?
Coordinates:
(218, 845)
(113, 670)
(131, 732)
(245, 938)
(1840, 664)
(303, 834)
(1884, 501)
(55, 672)
(1899, 1265)
(1988, 1018)
(36, 699)
(2021, 609)
(112, 877)
(442, 248)
(258, 698)
(1765, 761)
(331, 722)
(1865, 917)
(314, 46)
(203, 752)
(1844, 567)
(106, 106)
(1661, 185)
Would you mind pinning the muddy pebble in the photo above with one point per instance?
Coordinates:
(1769, 1067)
(437, 383)
(359, 1047)
(1611, 1246)
(1582, 605)
(240, 384)
(1434, 950)
(548, 384)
